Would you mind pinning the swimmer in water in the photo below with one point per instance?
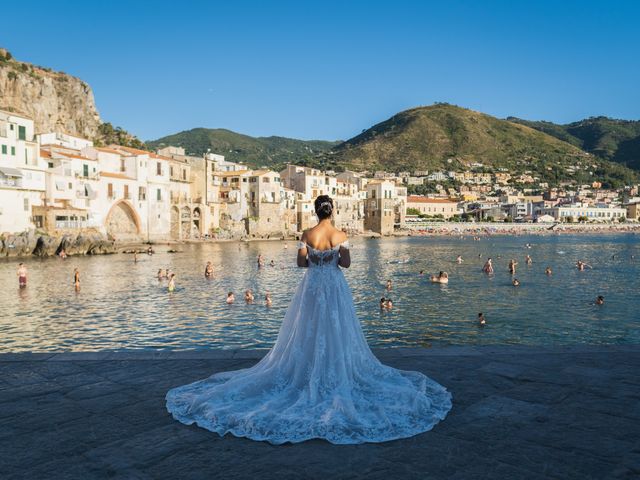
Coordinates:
(389, 285)
(421, 272)
(267, 299)
(383, 302)
(248, 296)
(459, 259)
(512, 266)
(488, 266)
(528, 260)
(548, 271)
(260, 261)
(442, 277)
(580, 265)
(388, 304)
(172, 282)
(481, 319)
(230, 298)
(600, 300)
(208, 270)
(516, 282)
(272, 263)
(22, 275)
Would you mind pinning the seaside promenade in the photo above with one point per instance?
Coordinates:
(518, 412)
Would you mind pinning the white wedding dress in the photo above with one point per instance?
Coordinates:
(319, 380)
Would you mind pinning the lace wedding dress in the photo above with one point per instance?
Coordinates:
(319, 380)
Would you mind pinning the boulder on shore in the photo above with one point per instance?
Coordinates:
(43, 245)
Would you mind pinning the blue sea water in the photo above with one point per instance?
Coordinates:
(122, 305)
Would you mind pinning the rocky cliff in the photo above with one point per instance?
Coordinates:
(56, 101)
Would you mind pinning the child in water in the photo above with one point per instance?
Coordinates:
(600, 300)
(516, 282)
(230, 298)
(172, 282)
(248, 296)
(267, 299)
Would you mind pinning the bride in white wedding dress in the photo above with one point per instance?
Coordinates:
(320, 379)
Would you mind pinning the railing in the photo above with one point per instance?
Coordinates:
(12, 183)
(69, 224)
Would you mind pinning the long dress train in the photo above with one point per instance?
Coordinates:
(319, 380)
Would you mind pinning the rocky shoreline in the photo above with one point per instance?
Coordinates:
(40, 244)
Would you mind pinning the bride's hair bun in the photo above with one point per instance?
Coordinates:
(323, 206)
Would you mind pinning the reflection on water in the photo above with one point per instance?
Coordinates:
(122, 305)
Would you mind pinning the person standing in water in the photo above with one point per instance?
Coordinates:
(267, 299)
(548, 271)
(512, 266)
(260, 261)
(481, 319)
(208, 270)
(230, 298)
(389, 285)
(459, 259)
(528, 260)
(76, 278)
(22, 275)
(172, 282)
(248, 296)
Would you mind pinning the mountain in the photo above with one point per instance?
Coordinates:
(443, 136)
(272, 152)
(56, 101)
(608, 138)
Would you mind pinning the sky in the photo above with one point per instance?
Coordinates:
(329, 69)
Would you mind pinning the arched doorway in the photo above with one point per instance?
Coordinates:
(196, 226)
(122, 221)
(185, 222)
(175, 223)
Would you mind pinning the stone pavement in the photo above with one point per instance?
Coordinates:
(518, 412)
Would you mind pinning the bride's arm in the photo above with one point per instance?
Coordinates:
(345, 255)
(302, 252)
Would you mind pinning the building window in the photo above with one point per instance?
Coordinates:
(85, 170)
(171, 171)
(184, 174)
(110, 190)
(13, 150)
(26, 204)
(158, 169)
(158, 194)
(122, 165)
(142, 193)
(22, 133)
(126, 191)
(4, 149)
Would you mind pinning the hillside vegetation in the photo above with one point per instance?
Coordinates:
(447, 137)
(608, 138)
(272, 152)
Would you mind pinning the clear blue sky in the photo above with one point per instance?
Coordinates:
(326, 69)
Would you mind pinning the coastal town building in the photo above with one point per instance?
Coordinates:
(22, 173)
(574, 212)
(432, 206)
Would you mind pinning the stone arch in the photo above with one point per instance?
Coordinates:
(185, 222)
(175, 223)
(196, 221)
(122, 220)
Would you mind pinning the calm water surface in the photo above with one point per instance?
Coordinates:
(123, 305)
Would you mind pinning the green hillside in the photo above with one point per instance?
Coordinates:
(272, 152)
(448, 137)
(608, 138)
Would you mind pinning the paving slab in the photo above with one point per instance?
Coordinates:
(518, 413)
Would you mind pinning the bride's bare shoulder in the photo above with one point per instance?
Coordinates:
(338, 237)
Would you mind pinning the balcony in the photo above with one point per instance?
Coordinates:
(10, 183)
(70, 224)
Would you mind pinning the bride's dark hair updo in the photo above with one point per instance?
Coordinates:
(323, 206)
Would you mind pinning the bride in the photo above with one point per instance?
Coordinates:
(320, 379)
